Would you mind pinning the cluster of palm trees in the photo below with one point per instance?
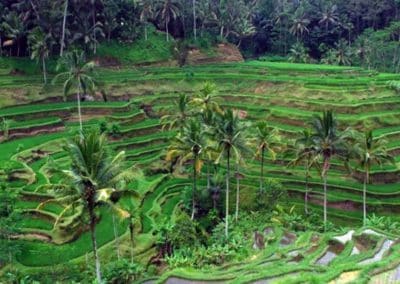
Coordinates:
(208, 134)
(318, 146)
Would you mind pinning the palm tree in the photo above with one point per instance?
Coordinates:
(305, 153)
(329, 16)
(266, 141)
(194, 19)
(370, 151)
(95, 177)
(230, 138)
(189, 145)
(343, 53)
(180, 115)
(147, 10)
(208, 119)
(299, 53)
(328, 142)
(40, 44)
(299, 26)
(281, 16)
(64, 23)
(168, 10)
(207, 98)
(15, 29)
(78, 75)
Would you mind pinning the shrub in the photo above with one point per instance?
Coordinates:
(103, 126)
(4, 127)
(383, 223)
(299, 54)
(183, 233)
(115, 130)
(123, 271)
(394, 85)
(270, 196)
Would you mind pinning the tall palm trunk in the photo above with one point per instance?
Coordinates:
(366, 179)
(306, 194)
(325, 177)
(166, 30)
(62, 44)
(194, 187)
(92, 217)
(325, 200)
(9, 251)
(78, 97)
(237, 192)
(228, 152)
(262, 170)
(44, 70)
(115, 236)
(208, 175)
(194, 20)
(94, 24)
(131, 229)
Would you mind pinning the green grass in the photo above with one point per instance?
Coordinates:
(155, 49)
(42, 254)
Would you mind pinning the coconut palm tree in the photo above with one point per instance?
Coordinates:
(328, 142)
(194, 19)
(206, 99)
(95, 176)
(208, 119)
(78, 75)
(306, 154)
(229, 135)
(180, 115)
(147, 11)
(370, 150)
(267, 141)
(328, 16)
(41, 45)
(281, 16)
(299, 53)
(15, 29)
(188, 146)
(300, 26)
(343, 53)
(168, 10)
(64, 24)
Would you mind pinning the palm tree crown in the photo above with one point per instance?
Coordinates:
(180, 115)
(266, 141)
(168, 10)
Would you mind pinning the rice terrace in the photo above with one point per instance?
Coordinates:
(202, 141)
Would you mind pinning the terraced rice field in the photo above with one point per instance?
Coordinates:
(286, 95)
(365, 256)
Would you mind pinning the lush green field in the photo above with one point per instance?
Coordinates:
(286, 95)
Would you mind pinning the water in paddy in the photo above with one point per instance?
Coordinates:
(334, 249)
(327, 258)
(378, 256)
(176, 280)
